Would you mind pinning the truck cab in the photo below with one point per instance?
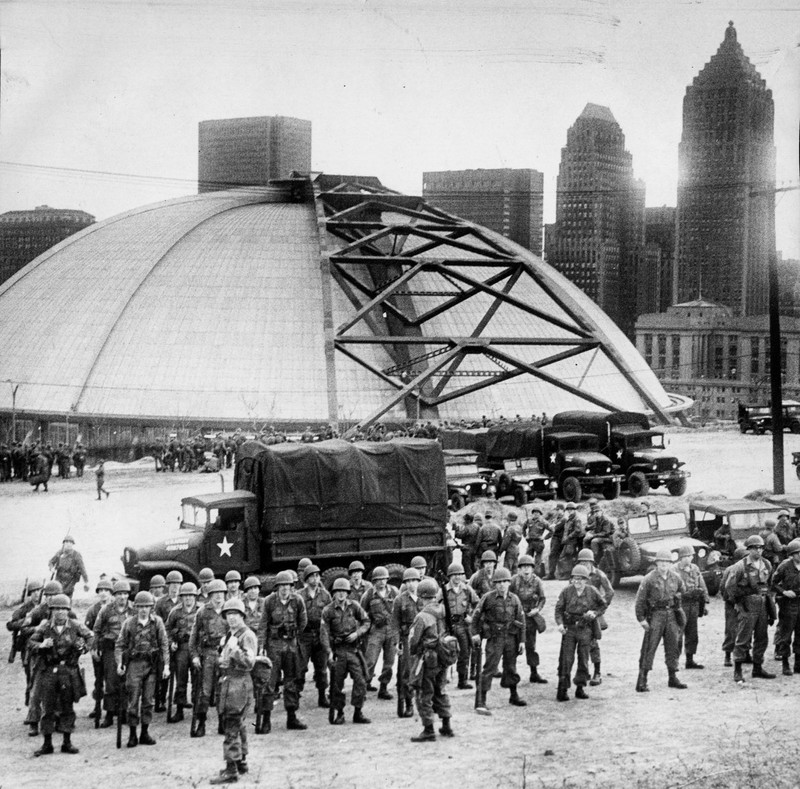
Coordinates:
(523, 480)
(465, 481)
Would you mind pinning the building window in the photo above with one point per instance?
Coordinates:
(662, 352)
(675, 363)
(648, 349)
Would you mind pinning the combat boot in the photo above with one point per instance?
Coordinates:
(144, 737)
(133, 740)
(537, 678)
(580, 692)
(674, 682)
(759, 673)
(266, 723)
(47, 746)
(596, 679)
(67, 746)
(227, 776)
(108, 721)
(339, 719)
(383, 692)
(480, 706)
(322, 700)
(220, 724)
(787, 669)
(177, 716)
(293, 722)
(748, 658)
(242, 767)
(561, 693)
(690, 662)
(463, 684)
(426, 735)
(359, 717)
(409, 711)
(200, 729)
(34, 730)
(797, 664)
(445, 729)
(737, 671)
(641, 682)
(727, 662)
(515, 700)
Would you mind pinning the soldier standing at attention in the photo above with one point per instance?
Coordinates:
(315, 597)
(572, 539)
(142, 655)
(207, 637)
(599, 580)
(467, 533)
(21, 630)
(233, 582)
(786, 584)
(164, 605)
(537, 530)
(235, 703)
(419, 564)
(58, 643)
(694, 601)
(482, 580)
(157, 586)
(510, 543)
(530, 591)
(378, 602)
(283, 620)
(748, 588)
(205, 576)
(500, 619)
(68, 567)
(406, 606)
(489, 535)
(729, 638)
(358, 586)
(658, 609)
(179, 625)
(463, 600)
(344, 622)
(104, 590)
(577, 609)
(429, 673)
(100, 479)
(556, 540)
(253, 602)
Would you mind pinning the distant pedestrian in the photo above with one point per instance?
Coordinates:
(68, 567)
(100, 473)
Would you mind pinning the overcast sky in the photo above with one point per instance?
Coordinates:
(101, 100)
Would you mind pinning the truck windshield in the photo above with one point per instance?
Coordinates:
(743, 524)
(194, 517)
(645, 441)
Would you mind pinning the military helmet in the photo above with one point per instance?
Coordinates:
(488, 556)
(250, 582)
(585, 555)
(143, 599)
(302, 564)
(570, 505)
(68, 538)
(559, 505)
(294, 575)
(593, 502)
(157, 581)
(122, 586)
(793, 547)
(206, 575)
(356, 565)
(685, 550)
(534, 508)
(104, 583)
(233, 575)
(770, 524)
(579, 571)
(234, 604)
(427, 588)
(411, 574)
(419, 561)
(310, 570)
(188, 588)
(526, 561)
(512, 516)
(739, 553)
(174, 577)
(217, 586)
(380, 573)
(59, 601)
(501, 574)
(283, 578)
(783, 514)
(341, 585)
(455, 569)
(665, 555)
(34, 586)
(53, 587)
(754, 541)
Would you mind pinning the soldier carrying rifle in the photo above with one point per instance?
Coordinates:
(179, 626)
(404, 609)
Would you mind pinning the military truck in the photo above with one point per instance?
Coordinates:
(465, 481)
(758, 417)
(628, 440)
(331, 501)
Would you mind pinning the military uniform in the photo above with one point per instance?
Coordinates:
(729, 639)
(462, 604)
(787, 579)
(510, 546)
(163, 607)
(531, 594)
(693, 601)
(107, 627)
(556, 541)
(179, 626)
(535, 531)
(571, 541)
(599, 533)
(21, 632)
(310, 645)
(747, 587)
(489, 538)
(784, 529)
(468, 534)
(208, 635)
(658, 602)
(357, 592)
(69, 569)
(382, 636)
(429, 675)
(481, 582)
(599, 580)
(570, 612)
(404, 610)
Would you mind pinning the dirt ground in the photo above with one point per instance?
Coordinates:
(715, 734)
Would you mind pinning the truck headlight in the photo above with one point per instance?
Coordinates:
(483, 486)
(587, 471)
(701, 553)
(674, 465)
(655, 466)
(608, 470)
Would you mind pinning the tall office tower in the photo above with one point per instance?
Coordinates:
(726, 203)
(506, 200)
(659, 233)
(251, 151)
(597, 240)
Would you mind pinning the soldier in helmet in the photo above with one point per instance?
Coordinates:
(577, 609)
(301, 572)
(509, 546)
(21, 630)
(659, 612)
(344, 622)
(694, 601)
(283, 620)
(358, 586)
(786, 585)
(599, 530)
(499, 619)
(463, 599)
(205, 577)
(429, 672)
(315, 597)
(104, 591)
(730, 613)
(179, 625)
(68, 567)
(537, 529)
(164, 605)
(530, 590)
(233, 582)
(572, 540)
(467, 533)
(208, 636)
(419, 564)
(236, 662)
(253, 602)
(599, 580)
(58, 644)
(406, 606)
(559, 521)
(784, 529)
(489, 535)
(747, 587)
(482, 580)
(157, 586)
(378, 602)
(142, 655)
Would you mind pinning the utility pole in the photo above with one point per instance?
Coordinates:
(776, 383)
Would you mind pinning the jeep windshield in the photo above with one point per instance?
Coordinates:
(522, 464)
(461, 470)
(667, 524)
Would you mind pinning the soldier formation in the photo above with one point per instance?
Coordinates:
(240, 652)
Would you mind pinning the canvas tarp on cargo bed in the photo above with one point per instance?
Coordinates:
(515, 440)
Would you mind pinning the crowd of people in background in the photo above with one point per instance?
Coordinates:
(35, 462)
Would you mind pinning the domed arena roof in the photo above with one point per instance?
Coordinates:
(316, 299)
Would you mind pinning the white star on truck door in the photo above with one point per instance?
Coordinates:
(225, 547)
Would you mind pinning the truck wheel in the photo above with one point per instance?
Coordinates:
(797, 470)
(629, 556)
(611, 490)
(742, 427)
(571, 489)
(520, 497)
(331, 574)
(795, 427)
(677, 487)
(610, 567)
(638, 484)
(395, 573)
(457, 502)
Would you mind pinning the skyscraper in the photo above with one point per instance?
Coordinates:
(506, 200)
(597, 240)
(726, 203)
(251, 151)
(659, 231)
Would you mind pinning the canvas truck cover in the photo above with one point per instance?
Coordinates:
(339, 498)
(596, 422)
(515, 440)
(472, 439)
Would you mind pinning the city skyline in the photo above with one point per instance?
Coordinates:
(101, 105)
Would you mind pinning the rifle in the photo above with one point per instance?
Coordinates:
(196, 680)
(448, 614)
(170, 686)
(478, 679)
(98, 704)
(401, 677)
(120, 707)
(331, 671)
